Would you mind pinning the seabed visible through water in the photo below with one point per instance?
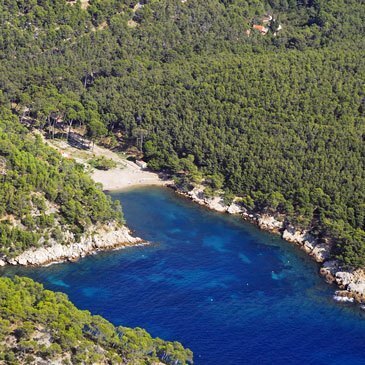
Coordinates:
(233, 294)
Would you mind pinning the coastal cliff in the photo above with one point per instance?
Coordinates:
(351, 282)
(107, 237)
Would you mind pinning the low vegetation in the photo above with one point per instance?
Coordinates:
(102, 163)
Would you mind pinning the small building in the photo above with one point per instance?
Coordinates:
(141, 164)
(263, 30)
(267, 19)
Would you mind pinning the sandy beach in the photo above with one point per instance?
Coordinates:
(127, 174)
(125, 177)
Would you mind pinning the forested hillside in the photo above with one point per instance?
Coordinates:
(276, 118)
(42, 195)
(38, 326)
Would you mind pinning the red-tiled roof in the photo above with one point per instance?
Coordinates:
(261, 28)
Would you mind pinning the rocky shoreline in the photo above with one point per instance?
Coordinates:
(102, 239)
(351, 282)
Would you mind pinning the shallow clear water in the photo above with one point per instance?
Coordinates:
(233, 294)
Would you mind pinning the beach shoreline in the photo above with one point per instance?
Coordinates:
(128, 175)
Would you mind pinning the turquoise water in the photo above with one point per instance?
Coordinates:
(233, 294)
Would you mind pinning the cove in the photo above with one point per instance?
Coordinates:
(233, 294)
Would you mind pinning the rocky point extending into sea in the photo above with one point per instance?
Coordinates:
(107, 237)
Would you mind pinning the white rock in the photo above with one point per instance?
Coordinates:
(105, 239)
(217, 204)
(197, 194)
(214, 203)
(292, 235)
(320, 252)
(236, 208)
(269, 223)
(358, 288)
(344, 278)
(309, 245)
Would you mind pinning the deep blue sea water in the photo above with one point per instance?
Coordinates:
(233, 294)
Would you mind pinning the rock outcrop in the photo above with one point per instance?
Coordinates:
(350, 282)
(236, 208)
(320, 251)
(343, 278)
(214, 203)
(106, 238)
(269, 223)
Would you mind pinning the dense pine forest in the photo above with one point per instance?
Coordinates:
(38, 326)
(264, 99)
(42, 195)
(276, 118)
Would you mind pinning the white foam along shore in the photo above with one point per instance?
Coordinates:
(351, 282)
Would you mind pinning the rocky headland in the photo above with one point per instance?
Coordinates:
(104, 238)
(350, 282)
(110, 236)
